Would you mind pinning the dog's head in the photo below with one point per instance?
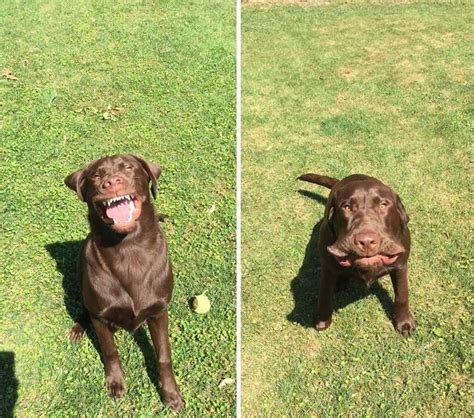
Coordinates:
(115, 188)
(367, 219)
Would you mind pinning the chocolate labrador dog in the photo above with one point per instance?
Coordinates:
(364, 234)
(124, 269)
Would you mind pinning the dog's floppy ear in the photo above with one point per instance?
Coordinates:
(153, 171)
(330, 207)
(402, 212)
(329, 213)
(76, 182)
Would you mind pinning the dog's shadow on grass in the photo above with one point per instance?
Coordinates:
(143, 341)
(8, 384)
(305, 286)
(66, 255)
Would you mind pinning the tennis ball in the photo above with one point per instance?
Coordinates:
(201, 304)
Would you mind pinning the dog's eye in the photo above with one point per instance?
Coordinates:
(383, 204)
(95, 176)
(346, 207)
(129, 167)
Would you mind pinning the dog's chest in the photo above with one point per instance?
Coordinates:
(370, 276)
(131, 304)
(130, 317)
(129, 291)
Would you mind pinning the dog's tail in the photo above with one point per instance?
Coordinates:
(325, 181)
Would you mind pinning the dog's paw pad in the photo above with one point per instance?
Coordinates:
(76, 333)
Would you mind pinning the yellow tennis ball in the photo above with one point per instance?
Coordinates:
(201, 304)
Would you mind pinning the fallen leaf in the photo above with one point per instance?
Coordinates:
(112, 112)
(225, 382)
(7, 73)
(86, 110)
(212, 209)
(116, 110)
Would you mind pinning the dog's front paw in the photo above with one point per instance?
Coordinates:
(76, 333)
(322, 325)
(405, 324)
(116, 386)
(172, 399)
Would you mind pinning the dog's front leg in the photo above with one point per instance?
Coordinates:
(113, 369)
(403, 320)
(169, 392)
(325, 300)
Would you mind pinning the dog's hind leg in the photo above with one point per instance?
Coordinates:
(79, 328)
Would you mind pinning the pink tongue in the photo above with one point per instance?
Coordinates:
(119, 213)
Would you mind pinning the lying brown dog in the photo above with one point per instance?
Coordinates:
(125, 272)
(364, 234)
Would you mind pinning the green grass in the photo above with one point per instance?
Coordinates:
(171, 67)
(386, 91)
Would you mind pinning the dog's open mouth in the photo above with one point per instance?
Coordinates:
(120, 211)
(375, 260)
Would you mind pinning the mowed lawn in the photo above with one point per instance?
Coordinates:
(96, 78)
(383, 90)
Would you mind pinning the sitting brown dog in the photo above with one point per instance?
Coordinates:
(124, 269)
(364, 234)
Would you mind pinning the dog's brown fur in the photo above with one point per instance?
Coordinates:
(364, 234)
(125, 272)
